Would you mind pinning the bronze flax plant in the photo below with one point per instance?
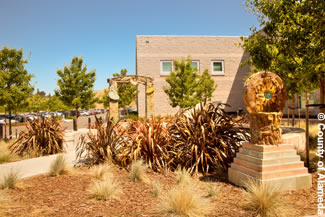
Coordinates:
(148, 140)
(44, 136)
(103, 146)
(206, 138)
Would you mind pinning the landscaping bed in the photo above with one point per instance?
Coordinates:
(67, 196)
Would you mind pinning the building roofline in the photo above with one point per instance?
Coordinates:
(221, 36)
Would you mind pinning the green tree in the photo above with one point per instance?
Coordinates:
(36, 103)
(290, 42)
(186, 86)
(105, 98)
(14, 80)
(126, 91)
(54, 104)
(76, 86)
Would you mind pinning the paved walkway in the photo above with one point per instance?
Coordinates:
(41, 165)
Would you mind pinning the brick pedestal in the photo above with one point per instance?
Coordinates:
(273, 164)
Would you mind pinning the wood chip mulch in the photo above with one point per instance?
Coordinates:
(67, 196)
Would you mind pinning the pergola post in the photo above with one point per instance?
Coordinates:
(113, 103)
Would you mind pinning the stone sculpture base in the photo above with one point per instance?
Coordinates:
(271, 164)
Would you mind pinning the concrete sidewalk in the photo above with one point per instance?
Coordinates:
(41, 165)
(34, 166)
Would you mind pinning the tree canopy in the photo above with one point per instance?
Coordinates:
(126, 91)
(290, 42)
(187, 86)
(14, 80)
(76, 85)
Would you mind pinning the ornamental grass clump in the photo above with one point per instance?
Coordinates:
(206, 138)
(44, 136)
(105, 189)
(101, 171)
(148, 140)
(264, 200)
(156, 189)
(184, 200)
(58, 166)
(100, 147)
(213, 190)
(183, 177)
(138, 172)
(10, 179)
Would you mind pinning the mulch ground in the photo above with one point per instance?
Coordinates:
(67, 196)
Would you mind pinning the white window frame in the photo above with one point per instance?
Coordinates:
(161, 67)
(198, 64)
(218, 72)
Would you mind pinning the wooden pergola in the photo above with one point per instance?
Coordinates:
(134, 80)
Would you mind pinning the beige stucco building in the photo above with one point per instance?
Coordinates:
(219, 54)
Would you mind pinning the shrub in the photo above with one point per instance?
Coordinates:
(182, 176)
(10, 180)
(138, 172)
(148, 140)
(184, 200)
(105, 189)
(44, 136)
(265, 200)
(206, 138)
(101, 171)
(100, 147)
(156, 189)
(58, 166)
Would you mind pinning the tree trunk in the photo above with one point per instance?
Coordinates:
(322, 94)
(299, 108)
(76, 117)
(307, 129)
(10, 130)
(5, 125)
(288, 113)
(293, 110)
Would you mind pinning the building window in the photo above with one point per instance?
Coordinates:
(196, 64)
(217, 67)
(166, 67)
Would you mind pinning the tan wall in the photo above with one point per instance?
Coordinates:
(202, 48)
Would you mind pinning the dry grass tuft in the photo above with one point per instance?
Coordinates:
(182, 176)
(138, 172)
(10, 180)
(184, 200)
(156, 189)
(265, 200)
(213, 190)
(5, 155)
(101, 171)
(58, 166)
(105, 189)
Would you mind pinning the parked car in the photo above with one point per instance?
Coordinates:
(84, 113)
(58, 114)
(90, 112)
(73, 113)
(20, 118)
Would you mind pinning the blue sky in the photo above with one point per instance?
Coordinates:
(103, 32)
